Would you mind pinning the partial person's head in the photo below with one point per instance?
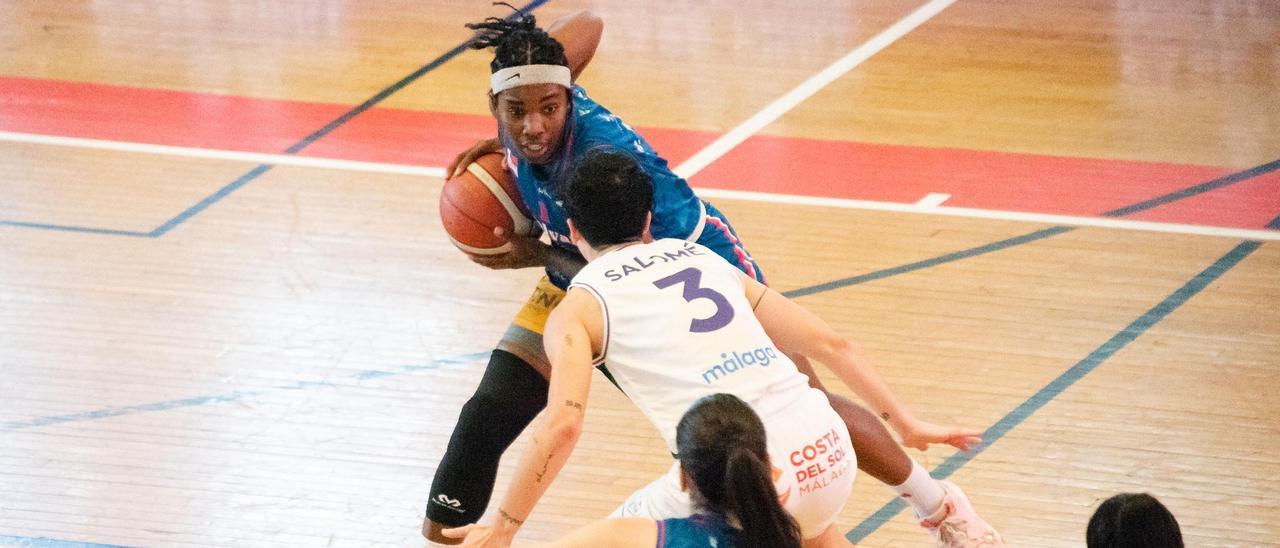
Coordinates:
(529, 85)
(1133, 520)
(725, 463)
(609, 199)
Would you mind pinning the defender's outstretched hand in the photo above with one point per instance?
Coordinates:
(920, 435)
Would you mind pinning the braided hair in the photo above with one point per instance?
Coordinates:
(517, 41)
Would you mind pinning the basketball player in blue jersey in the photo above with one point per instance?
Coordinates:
(674, 322)
(546, 124)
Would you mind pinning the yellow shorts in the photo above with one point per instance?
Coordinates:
(524, 336)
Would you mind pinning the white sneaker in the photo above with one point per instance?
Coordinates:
(956, 525)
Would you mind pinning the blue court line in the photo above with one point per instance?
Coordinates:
(1041, 234)
(920, 265)
(68, 228)
(1068, 378)
(40, 542)
(202, 400)
(232, 396)
(800, 292)
(210, 200)
(1197, 189)
(263, 168)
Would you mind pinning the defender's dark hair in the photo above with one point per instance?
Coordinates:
(608, 196)
(1133, 520)
(516, 41)
(722, 448)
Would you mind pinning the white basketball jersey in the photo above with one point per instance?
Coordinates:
(677, 327)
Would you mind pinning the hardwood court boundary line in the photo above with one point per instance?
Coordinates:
(267, 161)
(995, 214)
(218, 154)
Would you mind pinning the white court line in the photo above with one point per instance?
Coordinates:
(1046, 218)
(919, 207)
(933, 199)
(808, 88)
(234, 155)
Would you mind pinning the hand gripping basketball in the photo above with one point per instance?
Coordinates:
(479, 201)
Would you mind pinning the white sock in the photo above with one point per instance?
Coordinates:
(921, 491)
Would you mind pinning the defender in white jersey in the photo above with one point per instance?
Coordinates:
(673, 322)
(677, 326)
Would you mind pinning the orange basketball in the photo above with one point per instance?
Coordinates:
(484, 197)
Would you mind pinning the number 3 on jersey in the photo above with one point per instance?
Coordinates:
(690, 278)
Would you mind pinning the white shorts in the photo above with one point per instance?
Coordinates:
(813, 468)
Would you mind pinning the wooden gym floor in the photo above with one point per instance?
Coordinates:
(229, 316)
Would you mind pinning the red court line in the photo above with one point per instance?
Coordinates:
(810, 167)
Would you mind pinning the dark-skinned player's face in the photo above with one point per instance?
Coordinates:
(534, 117)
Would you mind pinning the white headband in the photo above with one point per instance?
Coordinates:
(524, 75)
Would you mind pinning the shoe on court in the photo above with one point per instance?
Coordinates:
(956, 525)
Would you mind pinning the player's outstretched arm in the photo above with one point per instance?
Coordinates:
(579, 34)
(615, 532)
(569, 349)
(795, 329)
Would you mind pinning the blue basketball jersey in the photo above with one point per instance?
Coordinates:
(677, 212)
(698, 531)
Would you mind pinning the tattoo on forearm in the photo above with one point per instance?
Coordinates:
(537, 476)
(573, 404)
(512, 520)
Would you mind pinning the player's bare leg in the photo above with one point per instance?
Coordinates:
(879, 454)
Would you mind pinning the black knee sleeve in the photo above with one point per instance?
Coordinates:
(509, 396)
